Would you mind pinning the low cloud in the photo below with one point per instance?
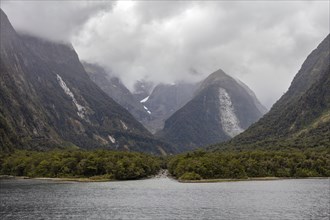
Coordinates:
(53, 20)
(263, 43)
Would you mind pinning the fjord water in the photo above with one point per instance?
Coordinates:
(165, 199)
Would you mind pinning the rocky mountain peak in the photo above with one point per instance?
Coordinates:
(220, 109)
(217, 75)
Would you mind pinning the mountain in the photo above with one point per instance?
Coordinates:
(164, 100)
(114, 88)
(221, 108)
(301, 117)
(47, 100)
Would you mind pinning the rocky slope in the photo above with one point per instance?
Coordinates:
(221, 108)
(47, 100)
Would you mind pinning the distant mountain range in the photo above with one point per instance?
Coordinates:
(221, 108)
(47, 100)
(301, 117)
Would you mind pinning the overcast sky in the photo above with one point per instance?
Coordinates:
(263, 43)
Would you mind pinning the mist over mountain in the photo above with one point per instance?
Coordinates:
(169, 41)
(51, 83)
(128, 109)
(47, 100)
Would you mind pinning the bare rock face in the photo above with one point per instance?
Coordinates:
(221, 108)
(47, 100)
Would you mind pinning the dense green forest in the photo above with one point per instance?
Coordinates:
(104, 164)
(77, 163)
(246, 164)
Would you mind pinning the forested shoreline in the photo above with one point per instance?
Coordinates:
(97, 164)
(251, 164)
(197, 165)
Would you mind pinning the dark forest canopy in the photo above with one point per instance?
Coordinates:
(78, 163)
(249, 164)
(104, 164)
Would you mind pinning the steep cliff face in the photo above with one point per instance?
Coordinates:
(300, 118)
(221, 108)
(22, 117)
(47, 100)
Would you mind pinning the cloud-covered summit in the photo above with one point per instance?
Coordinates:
(53, 20)
(263, 43)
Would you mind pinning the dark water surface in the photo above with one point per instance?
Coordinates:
(165, 199)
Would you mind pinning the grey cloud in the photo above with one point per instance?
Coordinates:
(263, 43)
(160, 10)
(53, 20)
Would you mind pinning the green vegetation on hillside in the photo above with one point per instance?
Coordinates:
(247, 164)
(76, 163)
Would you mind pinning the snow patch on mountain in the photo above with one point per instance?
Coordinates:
(82, 112)
(112, 139)
(229, 121)
(145, 99)
(124, 125)
(149, 112)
